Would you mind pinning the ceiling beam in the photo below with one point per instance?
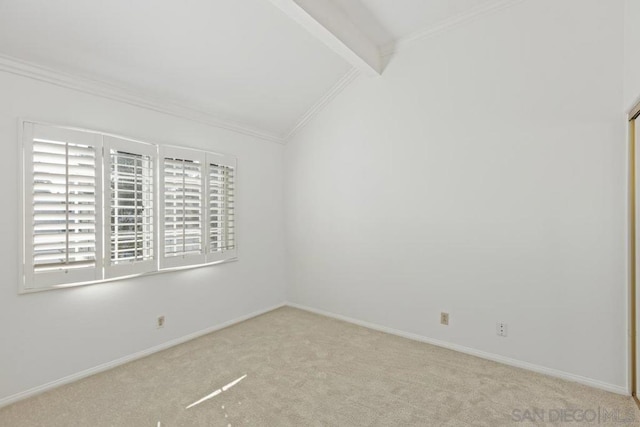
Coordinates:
(329, 24)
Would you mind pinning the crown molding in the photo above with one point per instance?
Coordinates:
(321, 103)
(447, 24)
(127, 96)
(110, 91)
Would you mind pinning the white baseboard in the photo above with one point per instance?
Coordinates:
(130, 358)
(473, 352)
(489, 356)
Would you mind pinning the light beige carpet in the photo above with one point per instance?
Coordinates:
(307, 370)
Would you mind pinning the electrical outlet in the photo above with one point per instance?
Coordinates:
(160, 323)
(444, 318)
(501, 329)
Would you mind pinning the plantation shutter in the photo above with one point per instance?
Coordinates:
(183, 210)
(62, 203)
(221, 204)
(129, 208)
(99, 207)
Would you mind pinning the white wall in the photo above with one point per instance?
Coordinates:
(49, 335)
(482, 175)
(632, 53)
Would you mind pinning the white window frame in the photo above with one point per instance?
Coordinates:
(46, 280)
(141, 148)
(103, 271)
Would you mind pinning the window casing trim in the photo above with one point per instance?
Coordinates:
(129, 276)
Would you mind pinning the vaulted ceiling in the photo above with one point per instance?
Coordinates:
(259, 65)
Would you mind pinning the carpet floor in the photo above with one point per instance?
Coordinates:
(293, 368)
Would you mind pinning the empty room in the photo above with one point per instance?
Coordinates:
(319, 213)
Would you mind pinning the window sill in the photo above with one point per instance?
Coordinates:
(24, 290)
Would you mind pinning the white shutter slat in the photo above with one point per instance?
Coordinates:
(54, 267)
(84, 254)
(61, 228)
(67, 166)
(70, 219)
(73, 189)
(58, 147)
(75, 207)
(61, 245)
(40, 239)
(61, 198)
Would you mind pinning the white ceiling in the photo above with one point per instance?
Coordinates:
(386, 21)
(405, 17)
(243, 61)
